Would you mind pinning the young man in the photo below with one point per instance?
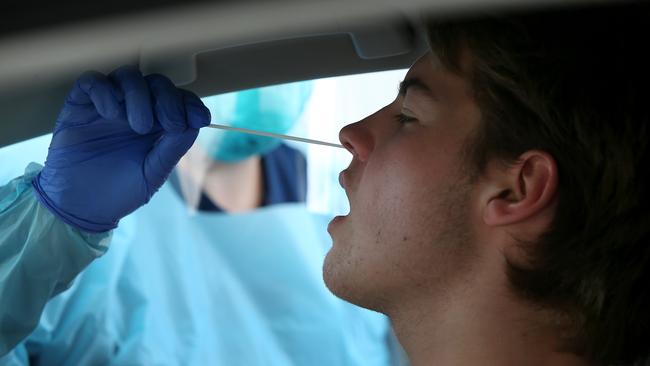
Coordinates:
(499, 206)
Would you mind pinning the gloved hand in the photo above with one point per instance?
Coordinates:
(115, 142)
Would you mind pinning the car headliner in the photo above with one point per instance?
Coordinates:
(208, 47)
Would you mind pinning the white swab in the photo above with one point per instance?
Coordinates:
(276, 135)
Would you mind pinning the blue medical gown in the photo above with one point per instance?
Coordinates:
(181, 289)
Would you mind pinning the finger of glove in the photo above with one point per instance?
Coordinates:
(165, 155)
(197, 114)
(94, 87)
(168, 103)
(136, 97)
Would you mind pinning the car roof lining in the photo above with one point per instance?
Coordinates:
(208, 69)
(215, 47)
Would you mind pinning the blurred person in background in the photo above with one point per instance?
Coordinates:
(222, 266)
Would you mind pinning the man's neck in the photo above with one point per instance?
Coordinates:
(484, 325)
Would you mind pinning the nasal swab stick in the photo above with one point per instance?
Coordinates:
(276, 135)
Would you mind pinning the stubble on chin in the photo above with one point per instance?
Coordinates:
(448, 245)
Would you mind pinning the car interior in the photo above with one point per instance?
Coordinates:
(214, 47)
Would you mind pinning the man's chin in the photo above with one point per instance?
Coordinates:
(341, 280)
(336, 279)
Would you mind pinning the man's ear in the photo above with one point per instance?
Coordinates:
(519, 191)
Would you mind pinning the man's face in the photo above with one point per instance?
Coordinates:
(409, 228)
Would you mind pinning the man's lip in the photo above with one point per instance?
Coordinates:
(342, 178)
(334, 221)
(344, 181)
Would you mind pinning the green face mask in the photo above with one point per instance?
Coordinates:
(270, 109)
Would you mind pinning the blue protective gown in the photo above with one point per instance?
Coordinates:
(178, 289)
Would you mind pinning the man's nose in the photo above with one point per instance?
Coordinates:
(357, 139)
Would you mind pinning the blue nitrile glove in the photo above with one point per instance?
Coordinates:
(115, 142)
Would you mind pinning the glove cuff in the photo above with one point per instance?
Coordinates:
(71, 220)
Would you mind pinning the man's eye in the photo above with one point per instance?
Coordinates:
(402, 118)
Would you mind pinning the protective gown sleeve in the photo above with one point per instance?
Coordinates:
(40, 256)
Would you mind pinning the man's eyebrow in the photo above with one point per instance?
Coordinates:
(412, 82)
